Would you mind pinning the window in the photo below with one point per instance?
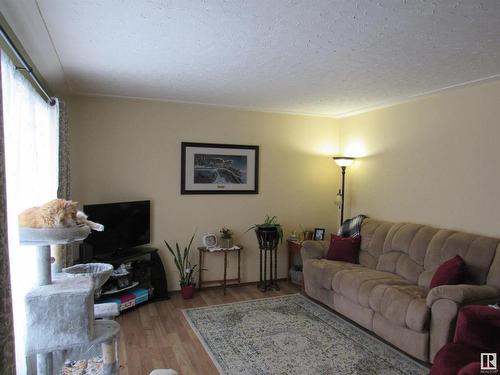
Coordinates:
(31, 133)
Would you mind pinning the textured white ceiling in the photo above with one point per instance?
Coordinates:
(305, 56)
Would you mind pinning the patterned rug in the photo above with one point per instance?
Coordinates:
(292, 335)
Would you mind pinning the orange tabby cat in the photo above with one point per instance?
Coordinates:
(57, 213)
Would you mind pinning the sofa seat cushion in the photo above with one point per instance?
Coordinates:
(404, 305)
(320, 272)
(357, 283)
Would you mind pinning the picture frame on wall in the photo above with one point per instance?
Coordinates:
(319, 234)
(212, 168)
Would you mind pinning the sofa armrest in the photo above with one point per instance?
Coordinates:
(445, 302)
(443, 318)
(463, 294)
(313, 250)
(478, 326)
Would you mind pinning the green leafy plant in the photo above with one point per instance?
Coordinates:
(270, 222)
(226, 233)
(182, 262)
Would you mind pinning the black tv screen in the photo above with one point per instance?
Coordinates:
(126, 224)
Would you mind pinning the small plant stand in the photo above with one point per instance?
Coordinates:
(268, 244)
(235, 281)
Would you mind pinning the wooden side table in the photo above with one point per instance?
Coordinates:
(293, 248)
(203, 250)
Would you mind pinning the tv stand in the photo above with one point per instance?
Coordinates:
(147, 271)
(125, 255)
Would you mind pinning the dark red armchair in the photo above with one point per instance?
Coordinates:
(477, 331)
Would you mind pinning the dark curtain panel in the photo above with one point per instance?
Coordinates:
(63, 252)
(7, 365)
(64, 190)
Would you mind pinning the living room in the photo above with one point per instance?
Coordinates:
(410, 91)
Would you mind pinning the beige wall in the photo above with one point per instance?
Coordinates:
(129, 149)
(435, 160)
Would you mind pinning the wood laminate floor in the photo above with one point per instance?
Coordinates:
(157, 335)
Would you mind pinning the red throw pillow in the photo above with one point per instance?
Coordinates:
(344, 249)
(451, 272)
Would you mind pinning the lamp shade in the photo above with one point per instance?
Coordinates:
(343, 161)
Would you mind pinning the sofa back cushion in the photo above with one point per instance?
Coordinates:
(493, 277)
(373, 235)
(405, 249)
(415, 251)
(477, 252)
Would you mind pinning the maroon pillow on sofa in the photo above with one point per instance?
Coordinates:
(344, 249)
(451, 272)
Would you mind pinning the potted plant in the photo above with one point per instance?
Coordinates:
(184, 267)
(270, 229)
(306, 233)
(226, 236)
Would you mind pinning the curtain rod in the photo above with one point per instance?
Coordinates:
(25, 66)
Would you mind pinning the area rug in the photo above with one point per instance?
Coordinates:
(292, 335)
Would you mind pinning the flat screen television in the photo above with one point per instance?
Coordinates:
(126, 225)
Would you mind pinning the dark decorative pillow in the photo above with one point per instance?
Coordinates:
(344, 249)
(451, 272)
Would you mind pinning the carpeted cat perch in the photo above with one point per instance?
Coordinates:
(60, 310)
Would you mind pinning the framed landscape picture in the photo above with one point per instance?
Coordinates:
(209, 168)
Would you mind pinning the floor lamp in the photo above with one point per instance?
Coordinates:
(343, 162)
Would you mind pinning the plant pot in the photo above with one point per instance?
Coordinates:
(268, 237)
(267, 228)
(187, 292)
(226, 243)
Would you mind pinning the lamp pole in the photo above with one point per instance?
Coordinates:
(342, 195)
(343, 162)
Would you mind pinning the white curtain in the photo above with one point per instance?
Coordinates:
(31, 157)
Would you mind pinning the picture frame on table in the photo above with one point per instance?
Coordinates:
(213, 168)
(319, 234)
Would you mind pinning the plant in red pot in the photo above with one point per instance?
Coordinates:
(184, 267)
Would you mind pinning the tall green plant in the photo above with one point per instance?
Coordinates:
(182, 262)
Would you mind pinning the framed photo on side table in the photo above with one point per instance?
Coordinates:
(319, 234)
(209, 168)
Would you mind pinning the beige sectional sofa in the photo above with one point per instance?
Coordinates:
(388, 291)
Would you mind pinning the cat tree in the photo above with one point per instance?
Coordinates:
(60, 310)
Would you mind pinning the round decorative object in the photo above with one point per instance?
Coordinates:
(209, 240)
